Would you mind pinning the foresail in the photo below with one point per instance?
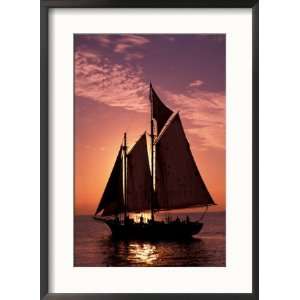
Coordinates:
(178, 181)
(138, 177)
(160, 111)
(112, 202)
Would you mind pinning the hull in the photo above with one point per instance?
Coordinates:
(153, 231)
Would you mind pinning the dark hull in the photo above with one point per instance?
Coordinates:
(154, 231)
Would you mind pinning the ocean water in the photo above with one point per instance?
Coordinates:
(95, 248)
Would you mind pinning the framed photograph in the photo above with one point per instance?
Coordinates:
(149, 150)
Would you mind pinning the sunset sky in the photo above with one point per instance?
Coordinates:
(112, 75)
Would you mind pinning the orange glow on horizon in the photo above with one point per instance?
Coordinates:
(93, 165)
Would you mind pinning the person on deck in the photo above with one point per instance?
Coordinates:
(141, 219)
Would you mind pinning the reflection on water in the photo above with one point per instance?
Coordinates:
(144, 253)
(163, 253)
(94, 247)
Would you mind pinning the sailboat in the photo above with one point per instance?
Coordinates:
(171, 180)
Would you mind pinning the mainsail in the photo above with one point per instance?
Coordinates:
(112, 201)
(178, 181)
(160, 112)
(138, 177)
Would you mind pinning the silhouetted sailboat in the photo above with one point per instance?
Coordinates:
(171, 182)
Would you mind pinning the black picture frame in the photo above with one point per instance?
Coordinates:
(46, 5)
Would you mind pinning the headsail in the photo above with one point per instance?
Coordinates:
(112, 201)
(178, 181)
(160, 112)
(138, 177)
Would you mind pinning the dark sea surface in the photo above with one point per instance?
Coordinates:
(95, 248)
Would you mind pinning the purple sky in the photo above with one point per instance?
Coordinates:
(171, 61)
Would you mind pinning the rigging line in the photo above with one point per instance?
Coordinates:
(167, 124)
(203, 214)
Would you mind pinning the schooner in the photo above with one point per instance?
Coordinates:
(170, 181)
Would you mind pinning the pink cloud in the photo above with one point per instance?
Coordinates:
(203, 115)
(136, 40)
(133, 56)
(121, 48)
(116, 85)
(196, 83)
(124, 86)
(104, 40)
(128, 42)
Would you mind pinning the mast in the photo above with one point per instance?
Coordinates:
(152, 177)
(125, 175)
(152, 159)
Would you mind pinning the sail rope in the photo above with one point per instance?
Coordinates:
(203, 214)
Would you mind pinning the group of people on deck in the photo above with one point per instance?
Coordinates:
(187, 220)
(143, 220)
